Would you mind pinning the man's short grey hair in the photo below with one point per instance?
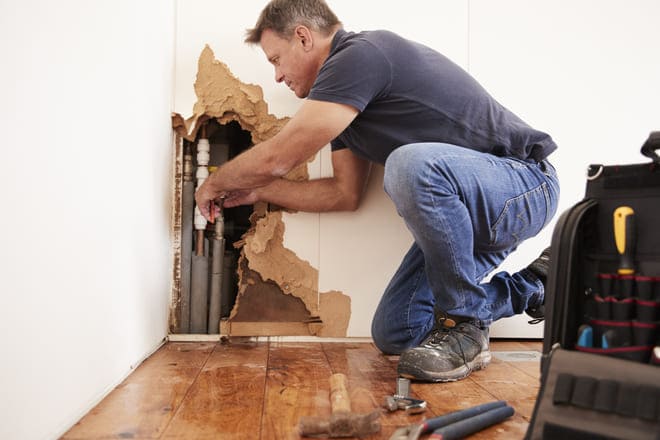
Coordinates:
(282, 17)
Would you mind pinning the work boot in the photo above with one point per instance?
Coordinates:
(539, 267)
(451, 352)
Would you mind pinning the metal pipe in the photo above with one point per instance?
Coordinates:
(199, 242)
(187, 209)
(228, 291)
(200, 264)
(217, 266)
(199, 292)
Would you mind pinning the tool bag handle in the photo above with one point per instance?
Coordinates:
(651, 145)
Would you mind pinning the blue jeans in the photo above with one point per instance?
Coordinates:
(467, 211)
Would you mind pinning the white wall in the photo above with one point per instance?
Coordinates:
(85, 254)
(586, 72)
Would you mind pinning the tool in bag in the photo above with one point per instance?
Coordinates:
(601, 349)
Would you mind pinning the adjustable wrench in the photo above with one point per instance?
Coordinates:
(401, 400)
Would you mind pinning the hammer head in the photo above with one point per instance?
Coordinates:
(341, 424)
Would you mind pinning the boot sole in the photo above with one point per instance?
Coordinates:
(413, 372)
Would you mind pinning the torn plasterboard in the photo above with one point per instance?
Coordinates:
(277, 292)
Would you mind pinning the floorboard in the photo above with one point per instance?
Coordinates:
(243, 389)
(296, 386)
(225, 402)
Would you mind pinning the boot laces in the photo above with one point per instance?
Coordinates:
(442, 335)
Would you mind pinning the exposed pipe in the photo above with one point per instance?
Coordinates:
(228, 291)
(200, 264)
(217, 267)
(203, 155)
(187, 207)
(199, 293)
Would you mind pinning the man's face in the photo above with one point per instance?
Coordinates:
(292, 59)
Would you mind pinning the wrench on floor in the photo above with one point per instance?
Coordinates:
(402, 400)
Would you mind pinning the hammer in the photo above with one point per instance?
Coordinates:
(343, 422)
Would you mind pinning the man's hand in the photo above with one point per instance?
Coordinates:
(205, 197)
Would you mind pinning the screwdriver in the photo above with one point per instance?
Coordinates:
(624, 237)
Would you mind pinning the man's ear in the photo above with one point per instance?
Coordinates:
(304, 36)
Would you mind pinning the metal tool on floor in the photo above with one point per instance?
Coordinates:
(457, 424)
(402, 400)
(343, 422)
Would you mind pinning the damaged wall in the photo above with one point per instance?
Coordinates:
(278, 291)
(295, 286)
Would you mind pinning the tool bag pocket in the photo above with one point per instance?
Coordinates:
(579, 399)
(631, 340)
(621, 318)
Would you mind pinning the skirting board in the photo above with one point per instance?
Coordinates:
(216, 338)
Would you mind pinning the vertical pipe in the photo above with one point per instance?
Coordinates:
(187, 202)
(228, 293)
(217, 259)
(200, 264)
(199, 297)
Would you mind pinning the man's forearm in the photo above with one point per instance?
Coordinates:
(248, 170)
(318, 195)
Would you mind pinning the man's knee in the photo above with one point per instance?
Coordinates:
(411, 169)
(395, 169)
(403, 170)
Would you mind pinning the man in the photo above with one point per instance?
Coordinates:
(469, 178)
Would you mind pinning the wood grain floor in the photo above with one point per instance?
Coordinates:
(259, 390)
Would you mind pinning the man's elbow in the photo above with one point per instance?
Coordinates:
(278, 164)
(277, 167)
(350, 203)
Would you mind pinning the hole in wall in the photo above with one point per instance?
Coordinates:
(226, 142)
(209, 281)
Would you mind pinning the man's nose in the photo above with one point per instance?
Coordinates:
(279, 77)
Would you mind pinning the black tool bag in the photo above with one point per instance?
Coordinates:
(600, 369)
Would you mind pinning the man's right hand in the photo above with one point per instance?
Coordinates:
(204, 197)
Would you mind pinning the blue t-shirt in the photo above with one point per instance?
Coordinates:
(407, 93)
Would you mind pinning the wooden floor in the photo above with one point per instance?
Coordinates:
(258, 390)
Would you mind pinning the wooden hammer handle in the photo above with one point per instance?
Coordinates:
(339, 398)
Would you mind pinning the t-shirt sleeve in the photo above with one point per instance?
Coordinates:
(337, 144)
(354, 75)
